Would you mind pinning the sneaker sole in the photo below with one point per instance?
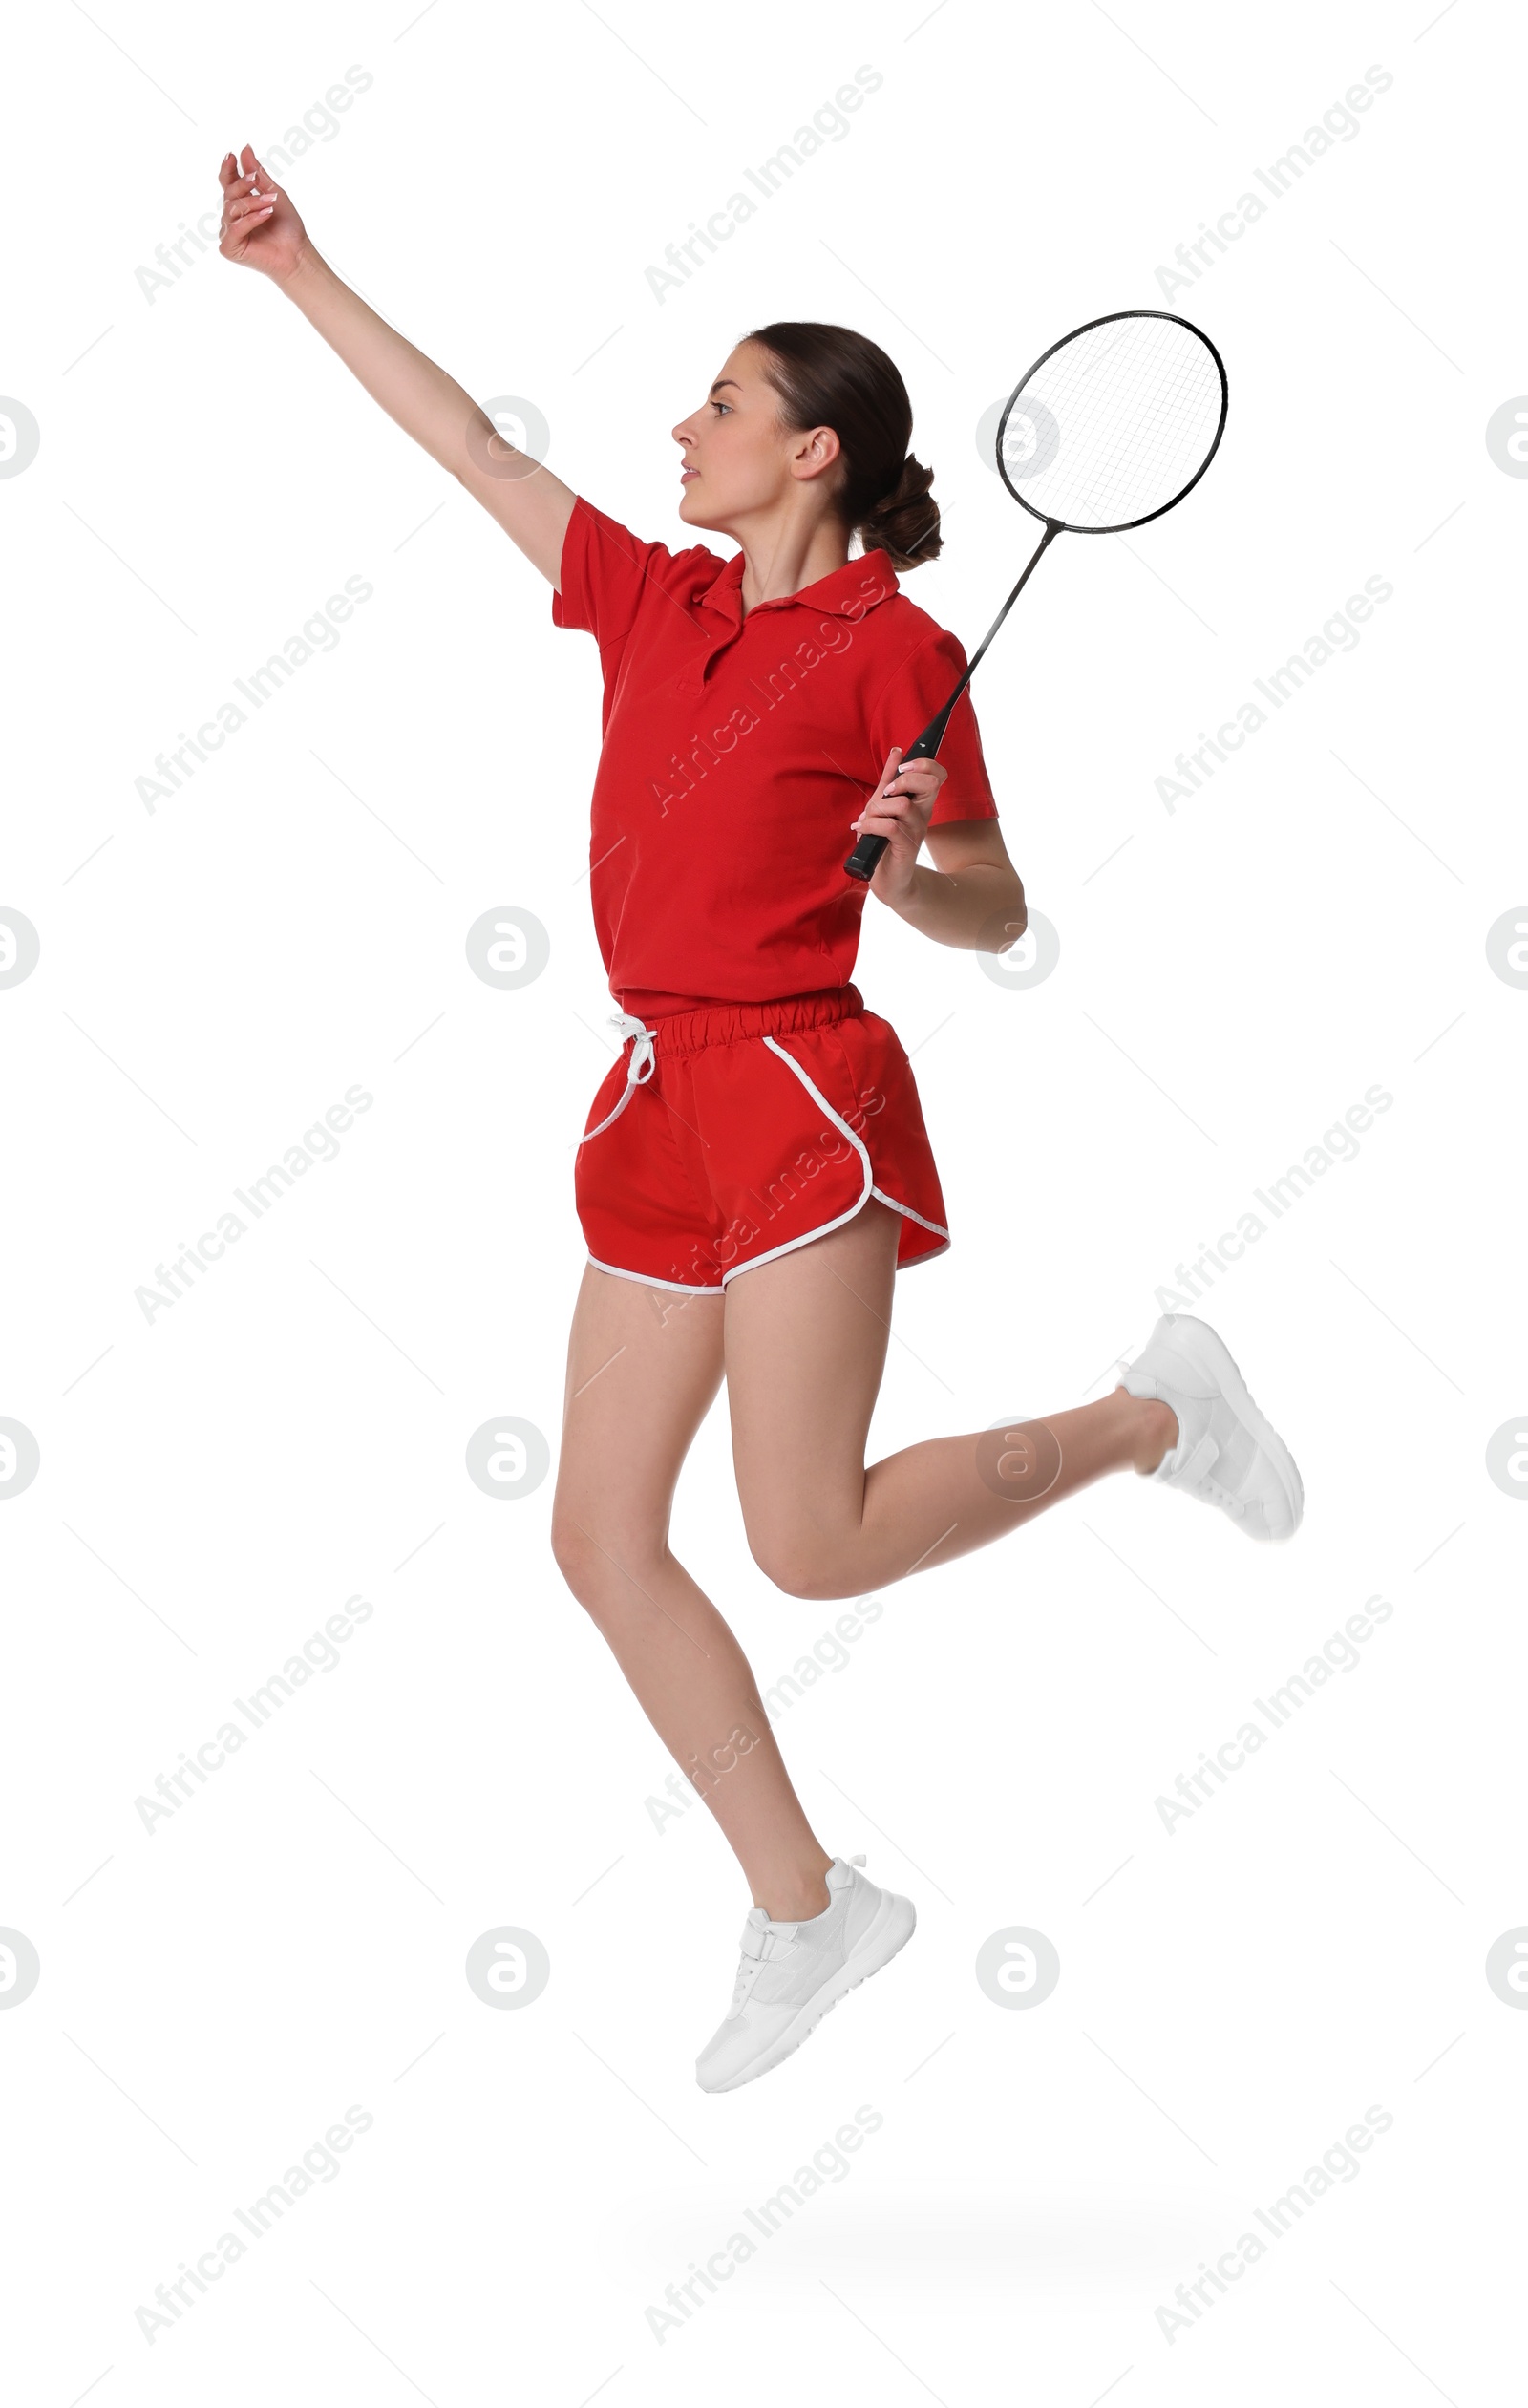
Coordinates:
(1209, 1354)
(892, 1930)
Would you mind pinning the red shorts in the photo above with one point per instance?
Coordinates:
(727, 1135)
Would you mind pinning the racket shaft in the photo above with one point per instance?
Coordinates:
(862, 861)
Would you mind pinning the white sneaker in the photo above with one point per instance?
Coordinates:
(1226, 1453)
(791, 1973)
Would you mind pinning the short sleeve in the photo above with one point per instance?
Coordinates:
(607, 573)
(911, 696)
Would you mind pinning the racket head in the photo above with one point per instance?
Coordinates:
(1106, 431)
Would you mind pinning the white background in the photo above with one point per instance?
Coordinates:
(214, 1484)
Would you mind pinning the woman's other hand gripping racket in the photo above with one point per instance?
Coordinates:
(898, 810)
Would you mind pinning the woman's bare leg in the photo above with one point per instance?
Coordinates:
(805, 1346)
(643, 1366)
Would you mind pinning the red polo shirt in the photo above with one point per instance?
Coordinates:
(737, 749)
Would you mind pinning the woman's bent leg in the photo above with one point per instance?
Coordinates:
(643, 1366)
(805, 1346)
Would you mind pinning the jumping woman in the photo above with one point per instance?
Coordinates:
(755, 1168)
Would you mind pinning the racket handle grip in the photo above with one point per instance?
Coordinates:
(862, 861)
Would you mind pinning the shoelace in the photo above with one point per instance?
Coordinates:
(744, 1982)
(640, 1067)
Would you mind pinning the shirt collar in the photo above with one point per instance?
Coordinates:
(846, 592)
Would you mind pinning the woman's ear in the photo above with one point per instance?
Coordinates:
(816, 452)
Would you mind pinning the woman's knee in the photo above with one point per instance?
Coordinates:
(609, 1568)
(802, 1563)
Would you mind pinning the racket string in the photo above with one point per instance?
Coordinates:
(1130, 412)
(1123, 415)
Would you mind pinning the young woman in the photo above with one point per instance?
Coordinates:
(755, 1168)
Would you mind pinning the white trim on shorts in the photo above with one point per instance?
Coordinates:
(870, 1189)
(644, 1279)
(868, 1192)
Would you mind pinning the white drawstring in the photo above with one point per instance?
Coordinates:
(640, 1066)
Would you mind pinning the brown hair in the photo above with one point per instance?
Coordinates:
(828, 376)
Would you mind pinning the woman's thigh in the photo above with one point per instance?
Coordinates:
(805, 1348)
(643, 1367)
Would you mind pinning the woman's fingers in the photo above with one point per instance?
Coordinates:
(254, 203)
(919, 791)
(242, 225)
(881, 816)
(921, 776)
(240, 198)
(887, 774)
(892, 797)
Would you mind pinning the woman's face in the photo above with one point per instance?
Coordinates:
(738, 461)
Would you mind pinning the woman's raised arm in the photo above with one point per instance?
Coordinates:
(262, 229)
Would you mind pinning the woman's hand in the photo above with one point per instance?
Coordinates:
(261, 228)
(900, 810)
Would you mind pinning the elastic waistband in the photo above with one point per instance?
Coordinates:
(681, 1032)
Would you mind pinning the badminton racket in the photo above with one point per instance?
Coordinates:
(1112, 426)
